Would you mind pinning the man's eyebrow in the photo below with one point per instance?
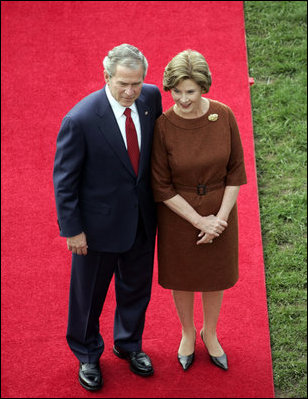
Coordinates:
(134, 83)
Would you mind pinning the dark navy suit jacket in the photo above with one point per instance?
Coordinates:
(96, 188)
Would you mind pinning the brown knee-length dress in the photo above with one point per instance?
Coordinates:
(187, 153)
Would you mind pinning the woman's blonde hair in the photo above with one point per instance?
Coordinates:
(188, 64)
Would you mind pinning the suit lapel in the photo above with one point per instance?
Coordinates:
(144, 117)
(108, 126)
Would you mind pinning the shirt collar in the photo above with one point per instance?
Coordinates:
(117, 108)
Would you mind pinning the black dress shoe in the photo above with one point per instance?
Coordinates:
(90, 376)
(140, 362)
(186, 361)
(219, 361)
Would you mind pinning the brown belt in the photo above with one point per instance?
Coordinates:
(200, 189)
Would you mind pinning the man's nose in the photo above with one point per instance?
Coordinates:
(129, 91)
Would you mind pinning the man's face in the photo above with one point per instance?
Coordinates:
(126, 84)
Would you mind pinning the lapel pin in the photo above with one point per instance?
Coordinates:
(146, 112)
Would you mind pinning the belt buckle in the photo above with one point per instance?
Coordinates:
(201, 189)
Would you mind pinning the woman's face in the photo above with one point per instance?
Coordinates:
(187, 97)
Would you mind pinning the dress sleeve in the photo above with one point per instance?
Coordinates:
(236, 174)
(161, 173)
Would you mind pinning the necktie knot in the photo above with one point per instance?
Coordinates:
(127, 112)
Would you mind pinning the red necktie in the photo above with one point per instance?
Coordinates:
(132, 140)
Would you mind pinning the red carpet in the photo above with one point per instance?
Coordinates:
(52, 56)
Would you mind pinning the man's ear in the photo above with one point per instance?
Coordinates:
(107, 77)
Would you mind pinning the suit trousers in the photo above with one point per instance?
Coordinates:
(90, 279)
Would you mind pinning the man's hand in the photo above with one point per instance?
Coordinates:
(77, 244)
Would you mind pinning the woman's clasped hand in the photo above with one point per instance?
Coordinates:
(211, 227)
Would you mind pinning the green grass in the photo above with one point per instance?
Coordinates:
(276, 42)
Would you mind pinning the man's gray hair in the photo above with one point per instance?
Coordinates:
(125, 55)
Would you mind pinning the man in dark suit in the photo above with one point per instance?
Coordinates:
(106, 210)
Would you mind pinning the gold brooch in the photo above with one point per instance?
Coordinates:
(213, 117)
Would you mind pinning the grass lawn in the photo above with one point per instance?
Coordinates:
(276, 41)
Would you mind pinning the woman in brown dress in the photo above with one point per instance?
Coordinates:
(197, 168)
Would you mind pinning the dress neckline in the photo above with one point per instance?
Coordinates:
(187, 123)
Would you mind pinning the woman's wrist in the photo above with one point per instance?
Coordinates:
(197, 221)
(223, 216)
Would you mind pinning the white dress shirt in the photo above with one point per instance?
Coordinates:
(118, 111)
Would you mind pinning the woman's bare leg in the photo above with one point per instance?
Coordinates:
(184, 303)
(211, 302)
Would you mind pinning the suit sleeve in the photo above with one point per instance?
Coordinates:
(159, 107)
(236, 174)
(66, 177)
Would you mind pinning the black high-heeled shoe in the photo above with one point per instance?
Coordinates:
(187, 361)
(219, 361)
